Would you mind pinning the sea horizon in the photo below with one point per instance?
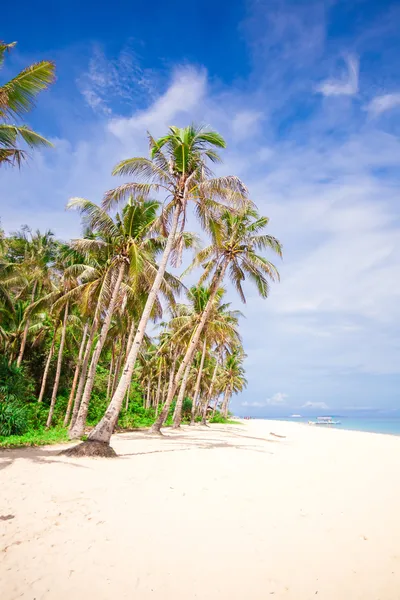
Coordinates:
(371, 424)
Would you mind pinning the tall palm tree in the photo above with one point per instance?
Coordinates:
(221, 323)
(182, 172)
(232, 378)
(132, 249)
(17, 97)
(237, 237)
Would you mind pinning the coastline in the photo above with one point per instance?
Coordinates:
(228, 511)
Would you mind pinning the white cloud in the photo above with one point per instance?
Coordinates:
(108, 81)
(310, 404)
(185, 93)
(278, 399)
(381, 104)
(347, 85)
(244, 122)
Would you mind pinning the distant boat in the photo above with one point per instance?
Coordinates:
(324, 421)
(295, 417)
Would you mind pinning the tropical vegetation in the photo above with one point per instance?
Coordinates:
(102, 333)
(17, 97)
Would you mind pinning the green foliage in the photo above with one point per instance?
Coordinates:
(136, 416)
(219, 418)
(38, 437)
(13, 419)
(15, 383)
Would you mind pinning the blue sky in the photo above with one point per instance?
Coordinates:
(307, 95)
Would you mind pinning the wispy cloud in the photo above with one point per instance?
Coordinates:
(381, 104)
(346, 84)
(109, 81)
(184, 94)
(278, 399)
(244, 123)
(310, 404)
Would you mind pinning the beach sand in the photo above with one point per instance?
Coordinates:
(226, 512)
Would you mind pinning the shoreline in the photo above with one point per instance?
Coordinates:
(221, 512)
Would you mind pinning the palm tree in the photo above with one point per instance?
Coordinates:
(17, 97)
(221, 323)
(182, 172)
(236, 239)
(131, 247)
(232, 379)
(30, 260)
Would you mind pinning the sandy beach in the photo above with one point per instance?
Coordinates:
(226, 512)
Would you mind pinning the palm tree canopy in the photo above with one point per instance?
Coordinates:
(237, 237)
(17, 97)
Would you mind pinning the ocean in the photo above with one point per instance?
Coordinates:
(372, 424)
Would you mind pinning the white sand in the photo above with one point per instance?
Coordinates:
(227, 512)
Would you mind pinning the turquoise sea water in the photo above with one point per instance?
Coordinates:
(371, 424)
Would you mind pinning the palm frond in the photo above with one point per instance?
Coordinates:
(20, 92)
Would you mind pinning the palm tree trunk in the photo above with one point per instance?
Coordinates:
(157, 402)
(116, 370)
(47, 367)
(209, 395)
(128, 393)
(82, 377)
(147, 403)
(58, 369)
(215, 405)
(225, 402)
(191, 349)
(198, 382)
(177, 416)
(79, 425)
(76, 375)
(110, 372)
(26, 329)
(104, 429)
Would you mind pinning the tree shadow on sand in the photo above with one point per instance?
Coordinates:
(35, 454)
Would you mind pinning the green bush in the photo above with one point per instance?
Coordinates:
(13, 418)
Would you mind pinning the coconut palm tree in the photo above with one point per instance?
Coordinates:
(17, 97)
(132, 247)
(182, 172)
(221, 323)
(232, 377)
(237, 237)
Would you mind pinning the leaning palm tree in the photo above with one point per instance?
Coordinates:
(237, 237)
(17, 97)
(132, 246)
(182, 172)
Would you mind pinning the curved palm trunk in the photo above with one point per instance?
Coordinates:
(79, 426)
(58, 369)
(225, 402)
(198, 382)
(76, 375)
(110, 372)
(191, 349)
(82, 377)
(209, 395)
(177, 416)
(104, 429)
(26, 329)
(47, 367)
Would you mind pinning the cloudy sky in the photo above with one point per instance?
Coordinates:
(307, 95)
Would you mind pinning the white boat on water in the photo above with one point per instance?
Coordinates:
(324, 421)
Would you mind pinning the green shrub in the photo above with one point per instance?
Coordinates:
(13, 418)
